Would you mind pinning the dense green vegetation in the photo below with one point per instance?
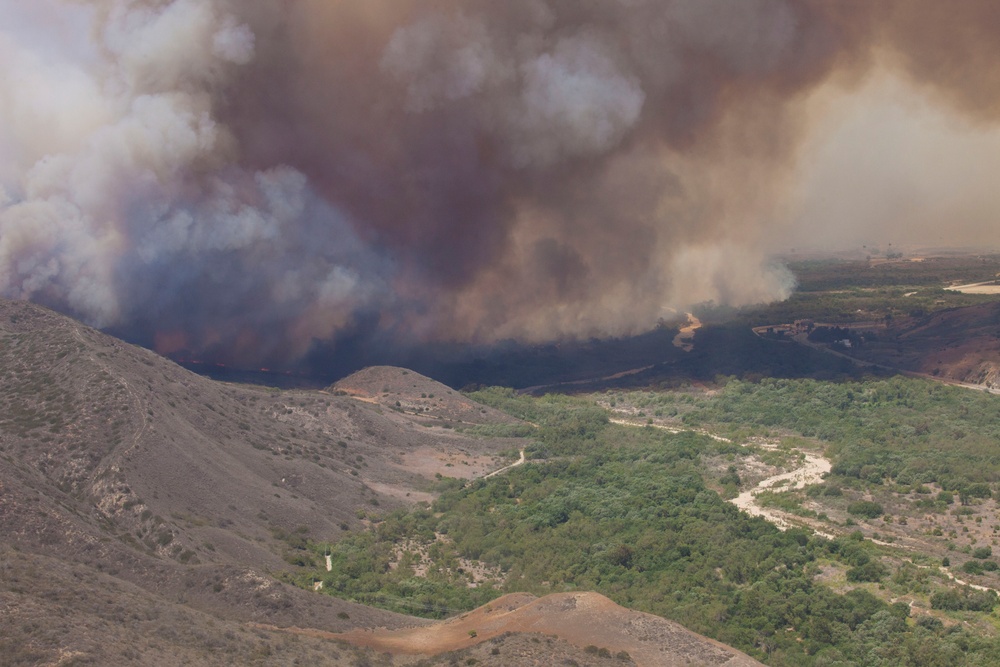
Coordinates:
(627, 512)
(636, 513)
(906, 430)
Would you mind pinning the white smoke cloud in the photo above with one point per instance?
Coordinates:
(120, 188)
(234, 42)
(576, 101)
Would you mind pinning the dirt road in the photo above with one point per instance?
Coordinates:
(516, 463)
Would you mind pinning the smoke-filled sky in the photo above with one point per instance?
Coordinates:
(241, 178)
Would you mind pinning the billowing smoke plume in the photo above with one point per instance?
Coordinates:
(248, 176)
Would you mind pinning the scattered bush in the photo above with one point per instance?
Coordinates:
(872, 571)
(930, 623)
(865, 508)
(964, 600)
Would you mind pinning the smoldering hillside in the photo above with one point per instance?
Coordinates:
(244, 178)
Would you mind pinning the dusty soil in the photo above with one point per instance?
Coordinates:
(582, 619)
(450, 462)
(185, 494)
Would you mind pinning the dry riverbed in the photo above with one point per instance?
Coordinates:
(811, 471)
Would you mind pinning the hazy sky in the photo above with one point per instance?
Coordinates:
(888, 164)
(242, 178)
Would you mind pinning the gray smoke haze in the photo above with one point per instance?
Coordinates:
(247, 176)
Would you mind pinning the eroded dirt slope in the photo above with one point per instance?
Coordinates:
(581, 619)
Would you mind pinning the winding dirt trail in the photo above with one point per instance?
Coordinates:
(943, 570)
(811, 471)
(519, 462)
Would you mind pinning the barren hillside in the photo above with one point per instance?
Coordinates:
(416, 394)
(182, 489)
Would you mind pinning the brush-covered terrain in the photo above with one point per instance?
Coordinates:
(637, 511)
(151, 516)
(884, 486)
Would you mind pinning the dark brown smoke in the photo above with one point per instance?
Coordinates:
(248, 176)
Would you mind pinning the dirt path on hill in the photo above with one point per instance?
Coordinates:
(139, 405)
(516, 463)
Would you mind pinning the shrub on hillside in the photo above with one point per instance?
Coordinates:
(872, 571)
(865, 508)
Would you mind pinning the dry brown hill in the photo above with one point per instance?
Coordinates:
(190, 469)
(114, 460)
(416, 394)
